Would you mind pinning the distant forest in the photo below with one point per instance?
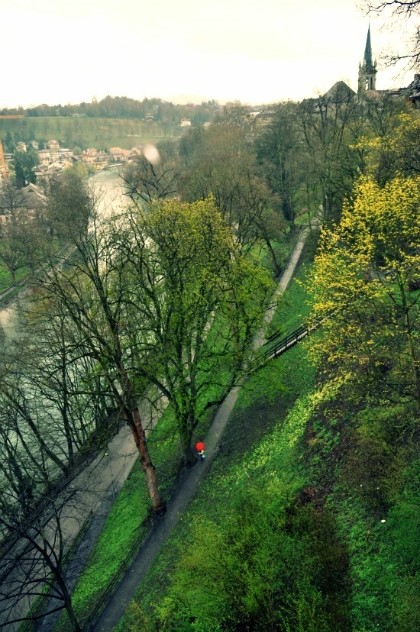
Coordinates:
(124, 107)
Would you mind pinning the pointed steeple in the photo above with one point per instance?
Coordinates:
(367, 69)
(367, 59)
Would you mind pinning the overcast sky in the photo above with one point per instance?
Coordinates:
(260, 51)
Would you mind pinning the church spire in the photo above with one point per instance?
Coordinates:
(367, 69)
(367, 59)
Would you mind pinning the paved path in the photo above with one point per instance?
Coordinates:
(94, 492)
(188, 486)
(95, 489)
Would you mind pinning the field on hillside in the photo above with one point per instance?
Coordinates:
(101, 133)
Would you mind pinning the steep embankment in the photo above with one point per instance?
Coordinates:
(242, 554)
(307, 520)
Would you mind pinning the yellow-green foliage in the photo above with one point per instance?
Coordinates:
(363, 286)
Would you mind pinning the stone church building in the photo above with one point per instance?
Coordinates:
(367, 80)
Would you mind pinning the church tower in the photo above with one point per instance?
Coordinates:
(367, 69)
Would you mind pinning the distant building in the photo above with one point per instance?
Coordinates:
(119, 155)
(53, 145)
(29, 202)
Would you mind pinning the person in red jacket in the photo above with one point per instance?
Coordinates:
(200, 446)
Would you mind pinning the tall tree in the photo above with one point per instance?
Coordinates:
(279, 150)
(198, 300)
(396, 152)
(90, 290)
(70, 204)
(364, 285)
(327, 135)
(221, 163)
(153, 175)
(25, 163)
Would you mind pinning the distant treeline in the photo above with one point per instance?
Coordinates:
(124, 107)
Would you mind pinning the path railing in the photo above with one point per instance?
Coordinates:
(276, 345)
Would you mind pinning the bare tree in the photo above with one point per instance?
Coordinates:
(33, 567)
(407, 11)
(91, 290)
(153, 175)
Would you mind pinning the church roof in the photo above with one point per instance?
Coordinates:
(340, 92)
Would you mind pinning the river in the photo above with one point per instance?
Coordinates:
(108, 190)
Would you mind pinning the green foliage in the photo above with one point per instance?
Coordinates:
(6, 280)
(363, 286)
(393, 150)
(70, 205)
(245, 573)
(364, 459)
(198, 297)
(24, 165)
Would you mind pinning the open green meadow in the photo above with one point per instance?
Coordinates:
(84, 132)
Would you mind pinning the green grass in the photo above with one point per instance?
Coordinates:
(257, 450)
(6, 277)
(375, 498)
(101, 133)
(294, 306)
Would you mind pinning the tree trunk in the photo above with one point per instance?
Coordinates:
(146, 462)
(68, 605)
(276, 265)
(187, 425)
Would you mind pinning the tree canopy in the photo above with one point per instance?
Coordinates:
(365, 288)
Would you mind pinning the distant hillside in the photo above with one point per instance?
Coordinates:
(102, 124)
(101, 133)
(124, 107)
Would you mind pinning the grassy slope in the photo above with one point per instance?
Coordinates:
(101, 133)
(350, 480)
(127, 522)
(261, 440)
(349, 501)
(6, 277)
